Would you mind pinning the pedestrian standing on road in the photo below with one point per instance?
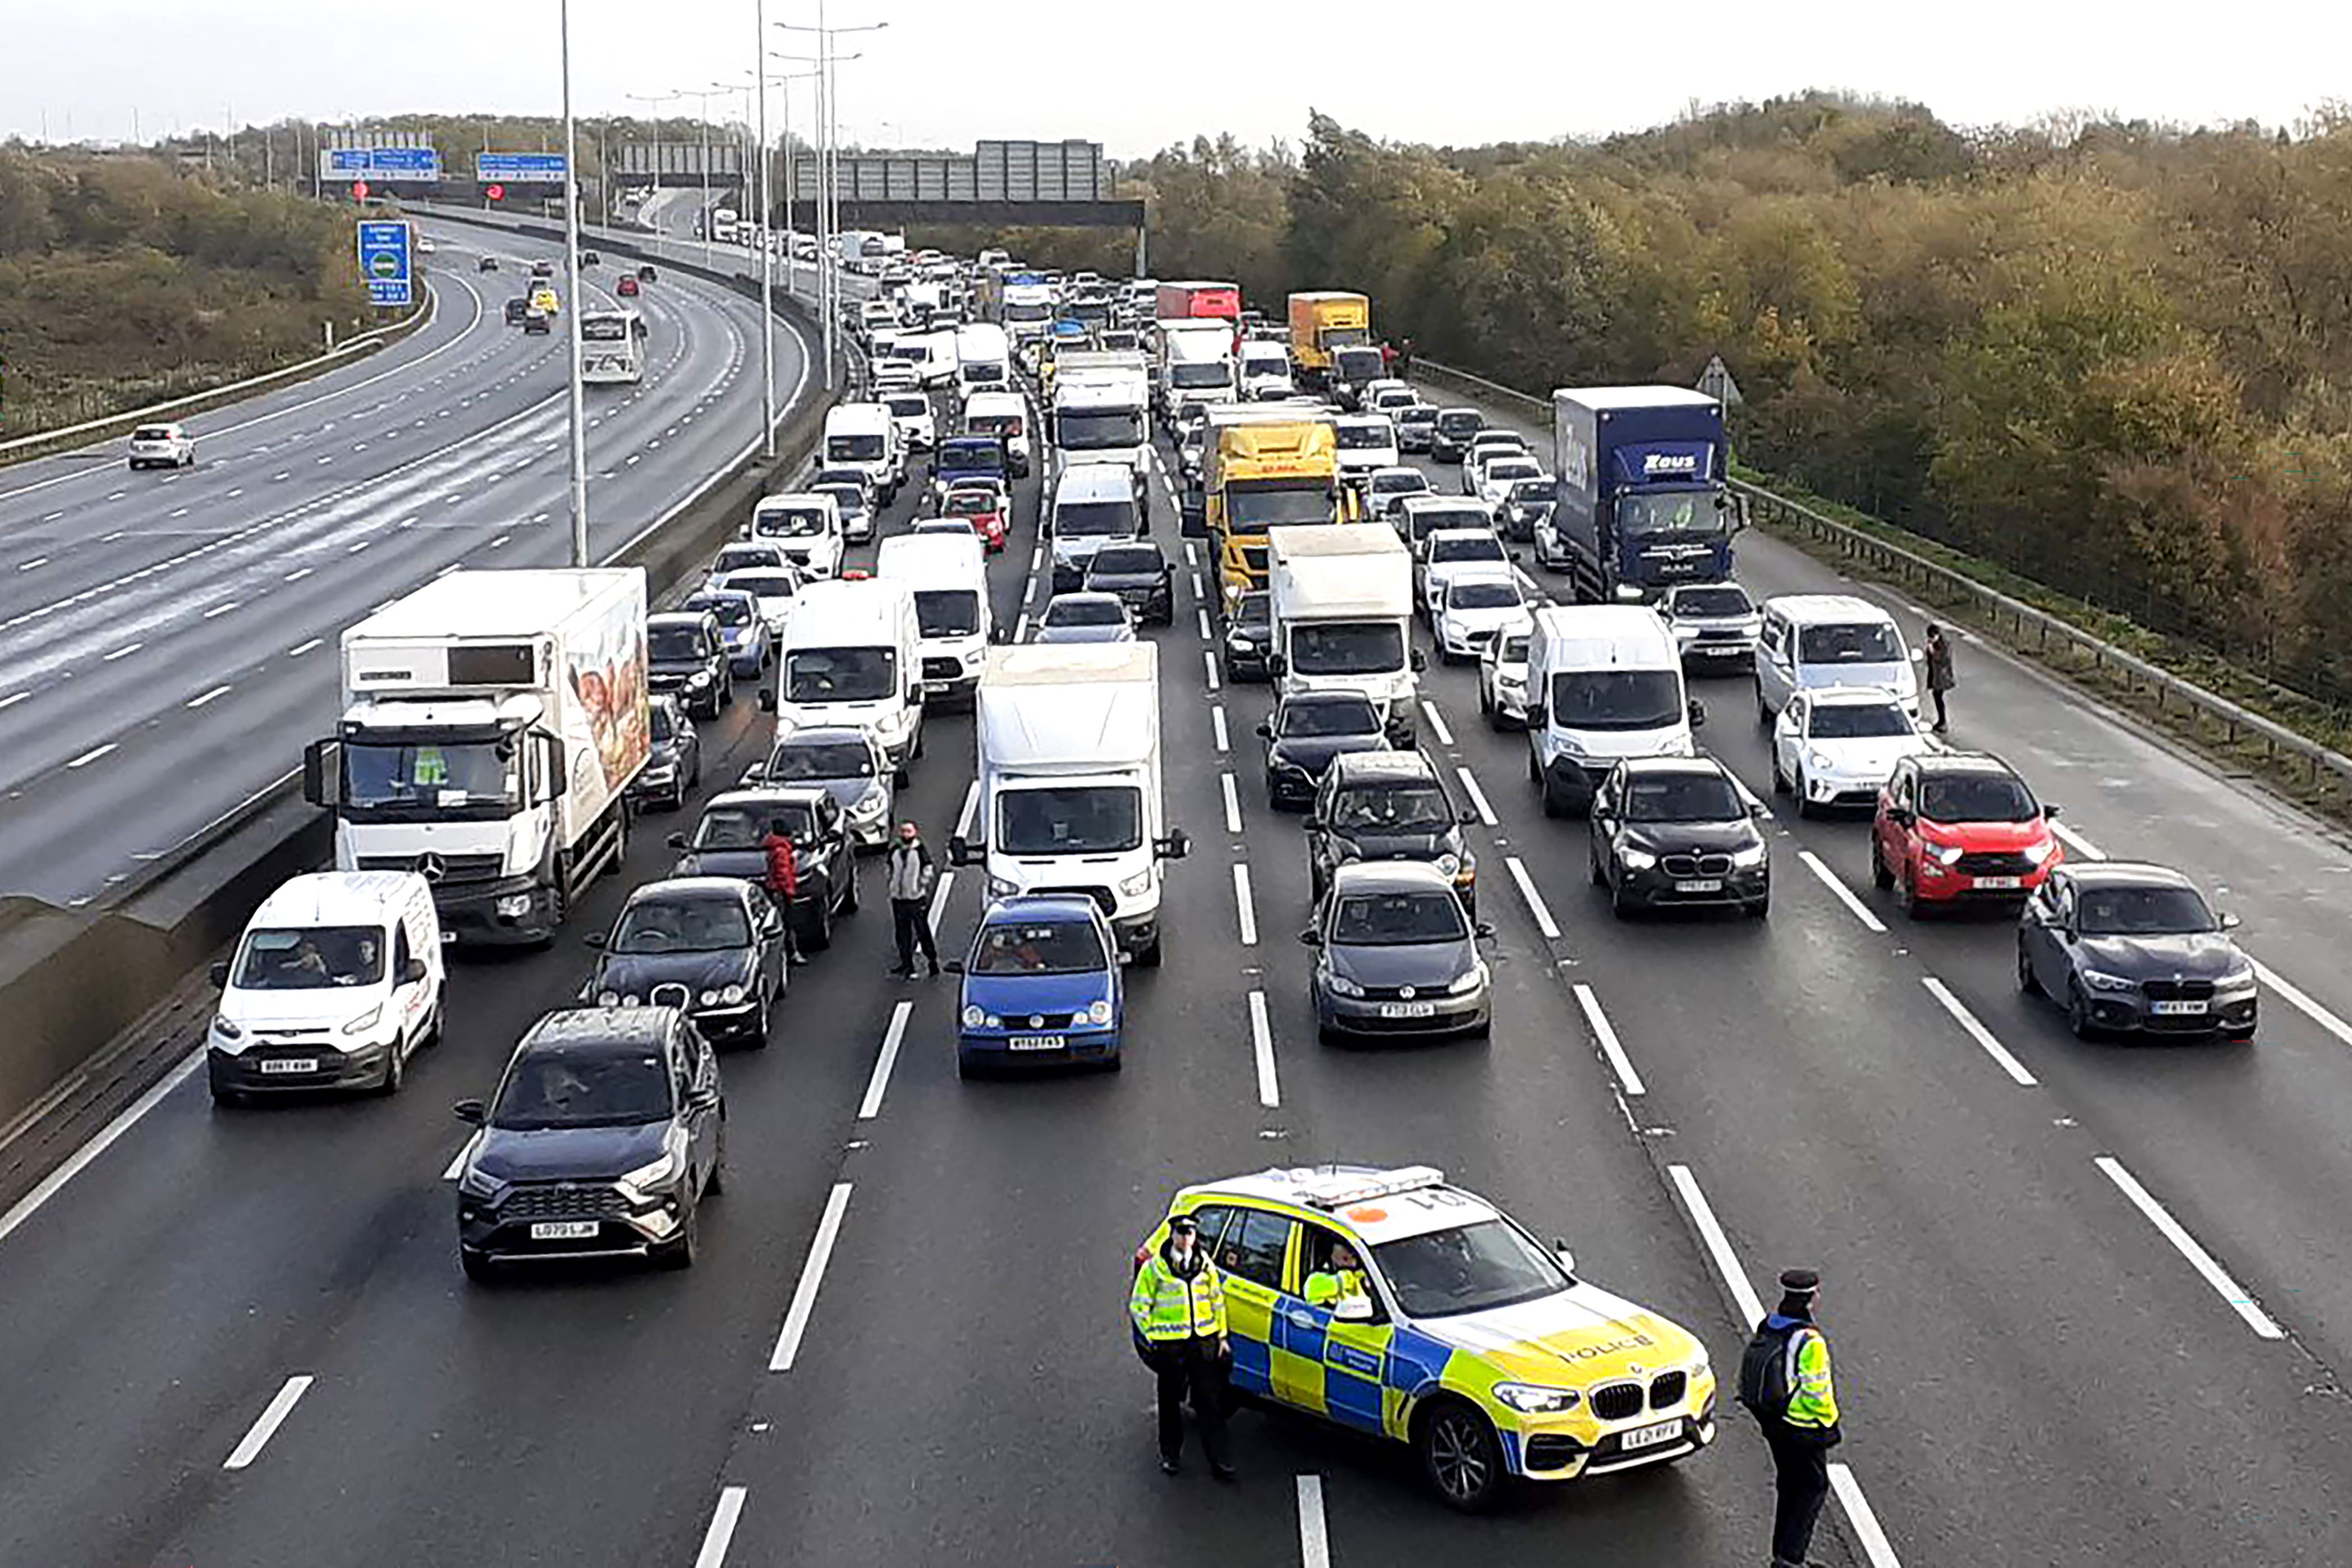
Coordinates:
(912, 875)
(1388, 357)
(1177, 1305)
(1784, 1381)
(1404, 358)
(1939, 674)
(784, 882)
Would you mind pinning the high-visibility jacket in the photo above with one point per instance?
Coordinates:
(1168, 1307)
(1328, 1287)
(1812, 1402)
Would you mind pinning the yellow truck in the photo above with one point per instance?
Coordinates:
(1324, 321)
(1267, 465)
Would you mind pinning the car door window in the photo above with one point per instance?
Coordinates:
(1213, 1219)
(1315, 1256)
(401, 952)
(1255, 1249)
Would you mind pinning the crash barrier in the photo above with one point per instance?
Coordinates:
(89, 995)
(2050, 635)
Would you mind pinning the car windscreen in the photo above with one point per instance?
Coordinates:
(1616, 699)
(807, 761)
(1727, 599)
(431, 773)
(579, 1089)
(975, 503)
(1514, 650)
(1198, 373)
(1510, 468)
(730, 610)
(789, 522)
(2143, 911)
(848, 499)
(744, 827)
(840, 675)
(1976, 798)
(1097, 430)
(947, 611)
(1255, 610)
(1358, 438)
(1417, 415)
(1006, 425)
(972, 457)
(1253, 508)
(1456, 424)
(1346, 648)
(1085, 610)
(1867, 642)
(736, 558)
(1038, 948)
(703, 924)
(1398, 919)
(854, 448)
(603, 328)
(1426, 520)
(909, 407)
(154, 433)
(1682, 798)
(1484, 596)
(1857, 721)
(659, 725)
(1484, 548)
(674, 645)
(1532, 492)
(1094, 519)
(1069, 820)
(1400, 808)
(310, 957)
(1343, 717)
(1128, 560)
(1468, 1269)
(1401, 484)
(761, 584)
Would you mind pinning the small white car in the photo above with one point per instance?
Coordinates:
(1449, 552)
(1265, 372)
(892, 377)
(773, 586)
(1384, 487)
(1472, 607)
(162, 446)
(1392, 401)
(1367, 441)
(1503, 677)
(1837, 746)
(1497, 475)
(1085, 618)
(912, 412)
(1475, 467)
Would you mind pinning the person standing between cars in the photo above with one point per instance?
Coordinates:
(783, 883)
(1784, 1381)
(1404, 358)
(1388, 357)
(1177, 1305)
(1939, 673)
(912, 875)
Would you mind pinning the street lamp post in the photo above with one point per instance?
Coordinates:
(572, 315)
(828, 176)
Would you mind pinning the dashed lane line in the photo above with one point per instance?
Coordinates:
(1978, 1032)
(1269, 1087)
(1845, 895)
(1535, 904)
(803, 1305)
(2172, 1230)
(1605, 1033)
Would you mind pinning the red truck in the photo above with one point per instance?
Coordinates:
(1180, 301)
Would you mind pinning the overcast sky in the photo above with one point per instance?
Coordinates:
(1137, 77)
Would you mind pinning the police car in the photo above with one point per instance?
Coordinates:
(1465, 1338)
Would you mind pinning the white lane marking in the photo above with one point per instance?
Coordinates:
(2077, 843)
(939, 896)
(220, 610)
(274, 477)
(1036, 558)
(178, 512)
(1977, 1031)
(34, 564)
(122, 653)
(2172, 1230)
(92, 755)
(1199, 589)
(1269, 1088)
(302, 648)
(499, 542)
(1314, 1538)
(53, 516)
(201, 701)
(1233, 803)
(1535, 904)
(1606, 1033)
(298, 573)
(13, 698)
(1245, 906)
(1436, 722)
(1875, 1544)
(1205, 634)
(971, 804)
(797, 1317)
(1020, 628)
(265, 1424)
(1845, 895)
(1477, 796)
(1209, 663)
(79, 1160)
(1029, 594)
(721, 1534)
(1192, 557)
(233, 495)
(1718, 1245)
(1217, 722)
(871, 1106)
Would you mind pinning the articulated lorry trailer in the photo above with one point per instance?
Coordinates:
(1644, 502)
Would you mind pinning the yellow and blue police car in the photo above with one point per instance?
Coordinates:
(1454, 1330)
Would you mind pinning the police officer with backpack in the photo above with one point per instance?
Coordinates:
(1784, 1381)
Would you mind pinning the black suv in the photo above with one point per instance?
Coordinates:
(731, 840)
(1677, 830)
(1141, 576)
(1306, 731)
(517, 311)
(686, 654)
(607, 1129)
(1389, 806)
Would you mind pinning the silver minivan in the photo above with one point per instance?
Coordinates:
(1809, 641)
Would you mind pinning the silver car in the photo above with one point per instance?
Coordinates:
(1085, 618)
(845, 762)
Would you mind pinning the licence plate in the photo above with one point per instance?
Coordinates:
(933, 687)
(1650, 1436)
(1724, 648)
(1408, 1009)
(2179, 1009)
(277, 1064)
(1035, 1042)
(2001, 882)
(1701, 884)
(562, 1229)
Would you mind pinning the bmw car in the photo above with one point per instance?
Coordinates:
(2133, 948)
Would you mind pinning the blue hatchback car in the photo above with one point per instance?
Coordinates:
(1041, 984)
(740, 623)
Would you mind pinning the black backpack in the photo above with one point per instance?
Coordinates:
(1764, 1370)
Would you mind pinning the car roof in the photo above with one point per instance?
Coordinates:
(1381, 766)
(1431, 501)
(1826, 607)
(2126, 873)
(728, 887)
(1396, 468)
(677, 618)
(1688, 767)
(336, 898)
(1390, 876)
(771, 795)
(1085, 596)
(1956, 762)
(1849, 696)
(827, 734)
(1323, 699)
(1481, 531)
(1095, 482)
(1041, 906)
(1377, 1203)
(1479, 572)
(594, 1029)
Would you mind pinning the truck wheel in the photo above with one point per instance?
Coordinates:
(1148, 958)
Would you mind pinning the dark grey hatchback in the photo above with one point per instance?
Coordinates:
(2128, 946)
(1396, 955)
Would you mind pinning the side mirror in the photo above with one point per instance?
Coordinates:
(959, 851)
(953, 965)
(1467, 819)
(1759, 811)
(1000, 633)
(1266, 730)
(1484, 932)
(412, 971)
(219, 975)
(2231, 921)
(2049, 809)
(1175, 846)
(1901, 816)
(767, 700)
(1277, 665)
(592, 939)
(1697, 713)
(1311, 936)
(676, 840)
(1567, 1259)
(755, 773)
(473, 1112)
(1351, 1309)
(1420, 661)
(322, 773)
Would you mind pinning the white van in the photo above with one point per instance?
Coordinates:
(337, 980)
(949, 578)
(983, 360)
(1813, 639)
(863, 435)
(852, 655)
(1604, 683)
(806, 525)
(1265, 372)
(1005, 415)
(1094, 503)
(937, 368)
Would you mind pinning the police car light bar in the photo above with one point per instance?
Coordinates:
(1339, 1192)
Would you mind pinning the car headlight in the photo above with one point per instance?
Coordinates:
(1098, 1012)
(1002, 887)
(608, 998)
(2046, 849)
(1820, 761)
(731, 994)
(1751, 857)
(1569, 747)
(365, 1021)
(1534, 1399)
(709, 994)
(870, 804)
(629, 999)
(1637, 860)
(2236, 980)
(1946, 854)
(663, 1169)
(2100, 981)
(1516, 684)
(1467, 981)
(1342, 985)
(699, 678)
(974, 1016)
(1449, 863)
(228, 1028)
(474, 1184)
(1139, 884)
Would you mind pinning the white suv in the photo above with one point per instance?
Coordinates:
(162, 446)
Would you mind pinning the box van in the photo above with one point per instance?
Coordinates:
(947, 576)
(1814, 640)
(1604, 683)
(983, 360)
(1093, 504)
(863, 435)
(1003, 415)
(853, 655)
(335, 983)
(805, 525)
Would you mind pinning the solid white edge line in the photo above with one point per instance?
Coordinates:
(1436, 722)
(1477, 796)
(1606, 1033)
(2172, 1230)
(1209, 663)
(1269, 1087)
(1233, 803)
(971, 804)
(1242, 906)
(939, 900)
(1978, 1032)
(1718, 1245)
(1216, 723)
(79, 1160)
(1845, 895)
(721, 1534)
(1875, 1544)
(265, 1426)
(871, 1106)
(796, 1316)
(1536, 906)
(1314, 1534)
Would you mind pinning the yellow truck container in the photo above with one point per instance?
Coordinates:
(1325, 321)
(1267, 472)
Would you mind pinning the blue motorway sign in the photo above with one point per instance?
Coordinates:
(380, 163)
(384, 262)
(520, 168)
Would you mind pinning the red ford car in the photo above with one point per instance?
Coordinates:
(1960, 827)
(983, 505)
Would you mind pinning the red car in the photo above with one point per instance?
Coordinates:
(984, 507)
(626, 286)
(1960, 827)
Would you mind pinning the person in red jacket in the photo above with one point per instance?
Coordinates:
(783, 883)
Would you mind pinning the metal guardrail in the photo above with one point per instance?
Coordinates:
(2234, 721)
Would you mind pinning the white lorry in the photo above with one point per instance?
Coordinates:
(1342, 609)
(1070, 797)
(947, 575)
(1195, 366)
(1102, 410)
(492, 723)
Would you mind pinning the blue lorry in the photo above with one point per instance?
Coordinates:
(1644, 506)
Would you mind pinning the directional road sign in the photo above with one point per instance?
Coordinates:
(383, 260)
(520, 168)
(411, 165)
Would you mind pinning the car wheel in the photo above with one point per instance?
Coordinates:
(1804, 795)
(1593, 857)
(1779, 779)
(2078, 1012)
(1761, 907)
(2027, 981)
(1460, 1455)
(227, 1098)
(1880, 877)
(849, 898)
(1486, 706)
(680, 1253)
(1763, 709)
(1906, 893)
(1552, 805)
(478, 1266)
(395, 1071)
(1619, 904)
(718, 1182)
(818, 936)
